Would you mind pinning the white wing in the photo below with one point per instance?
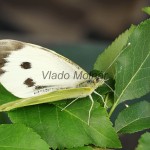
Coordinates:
(25, 68)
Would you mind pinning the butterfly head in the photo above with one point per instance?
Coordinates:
(97, 81)
(93, 82)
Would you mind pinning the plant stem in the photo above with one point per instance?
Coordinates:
(112, 109)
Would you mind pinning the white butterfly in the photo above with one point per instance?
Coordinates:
(26, 71)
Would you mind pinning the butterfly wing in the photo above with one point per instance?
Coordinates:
(46, 98)
(25, 68)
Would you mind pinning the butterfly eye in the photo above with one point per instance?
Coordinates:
(89, 81)
(97, 79)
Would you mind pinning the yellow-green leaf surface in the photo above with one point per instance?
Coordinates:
(69, 128)
(107, 60)
(146, 10)
(134, 118)
(133, 66)
(144, 142)
(20, 137)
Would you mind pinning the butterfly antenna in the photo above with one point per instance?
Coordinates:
(116, 57)
(110, 88)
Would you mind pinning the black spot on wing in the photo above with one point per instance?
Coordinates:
(26, 65)
(29, 82)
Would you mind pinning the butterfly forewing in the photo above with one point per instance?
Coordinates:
(27, 69)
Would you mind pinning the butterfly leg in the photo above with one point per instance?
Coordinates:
(90, 108)
(105, 106)
(70, 103)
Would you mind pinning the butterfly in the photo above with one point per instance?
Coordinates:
(39, 75)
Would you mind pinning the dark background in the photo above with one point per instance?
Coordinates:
(77, 29)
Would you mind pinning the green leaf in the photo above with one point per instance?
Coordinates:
(69, 128)
(6, 96)
(106, 61)
(133, 66)
(18, 136)
(144, 142)
(134, 118)
(146, 10)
